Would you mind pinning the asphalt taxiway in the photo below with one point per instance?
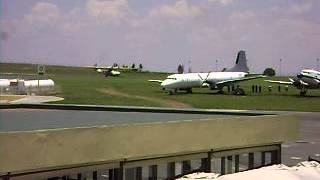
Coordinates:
(40, 119)
(308, 143)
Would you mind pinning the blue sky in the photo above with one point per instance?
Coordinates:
(162, 34)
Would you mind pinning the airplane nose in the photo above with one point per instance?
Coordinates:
(165, 84)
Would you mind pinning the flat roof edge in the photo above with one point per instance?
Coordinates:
(134, 109)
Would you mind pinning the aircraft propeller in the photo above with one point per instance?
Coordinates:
(303, 83)
(205, 79)
(291, 80)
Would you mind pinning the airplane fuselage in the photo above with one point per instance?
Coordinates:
(309, 79)
(191, 80)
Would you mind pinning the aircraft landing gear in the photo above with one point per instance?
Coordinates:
(220, 91)
(303, 92)
(239, 91)
(171, 92)
(189, 91)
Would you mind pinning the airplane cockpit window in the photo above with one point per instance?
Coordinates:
(172, 78)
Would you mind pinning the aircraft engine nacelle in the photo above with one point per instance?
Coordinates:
(99, 70)
(213, 86)
(4, 83)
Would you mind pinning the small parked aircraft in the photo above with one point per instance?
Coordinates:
(107, 70)
(306, 79)
(213, 80)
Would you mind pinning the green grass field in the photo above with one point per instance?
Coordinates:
(85, 86)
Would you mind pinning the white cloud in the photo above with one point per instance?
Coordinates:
(293, 9)
(300, 8)
(181, 9)
(243, 15)
(44, 12)
(223, 2)
(73, 27)
(113, 10)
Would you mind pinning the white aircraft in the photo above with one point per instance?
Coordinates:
(111, 72)
(107, 70)
(306, 79)
(213, 80)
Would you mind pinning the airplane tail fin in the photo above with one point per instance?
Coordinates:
(241, 63)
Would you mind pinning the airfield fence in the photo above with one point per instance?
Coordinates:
(22, 76)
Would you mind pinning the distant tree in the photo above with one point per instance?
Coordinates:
(133, 66)
(180, 69)
(95, 65)
(140, 67)
(269, 72)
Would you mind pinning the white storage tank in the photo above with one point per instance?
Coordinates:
(4, 83)
(45, 84)
(40, 83)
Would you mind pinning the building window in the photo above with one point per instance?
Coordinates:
(162, 171)
(178, 168)
(129, 174)
(257, 159)
(153, 172)
(267, 158)
(186, 166)
(243, 162)
(216, 165)
(196, 164)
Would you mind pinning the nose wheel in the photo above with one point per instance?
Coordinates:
(171, 92)
(303, 92)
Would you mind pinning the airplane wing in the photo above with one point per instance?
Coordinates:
(105, 67)
(98, 67)
(155, 80)
(238, 80)
(280, 82)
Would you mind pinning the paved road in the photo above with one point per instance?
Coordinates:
(308, 143)
(31, 119)
(36, 99)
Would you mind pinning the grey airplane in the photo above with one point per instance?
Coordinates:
(306, 79)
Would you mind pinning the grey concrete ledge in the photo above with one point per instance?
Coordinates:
(134, 109)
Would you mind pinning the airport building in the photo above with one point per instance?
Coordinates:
(124, 143)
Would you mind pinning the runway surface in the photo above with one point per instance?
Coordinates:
(31, 119)
(308, 143)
